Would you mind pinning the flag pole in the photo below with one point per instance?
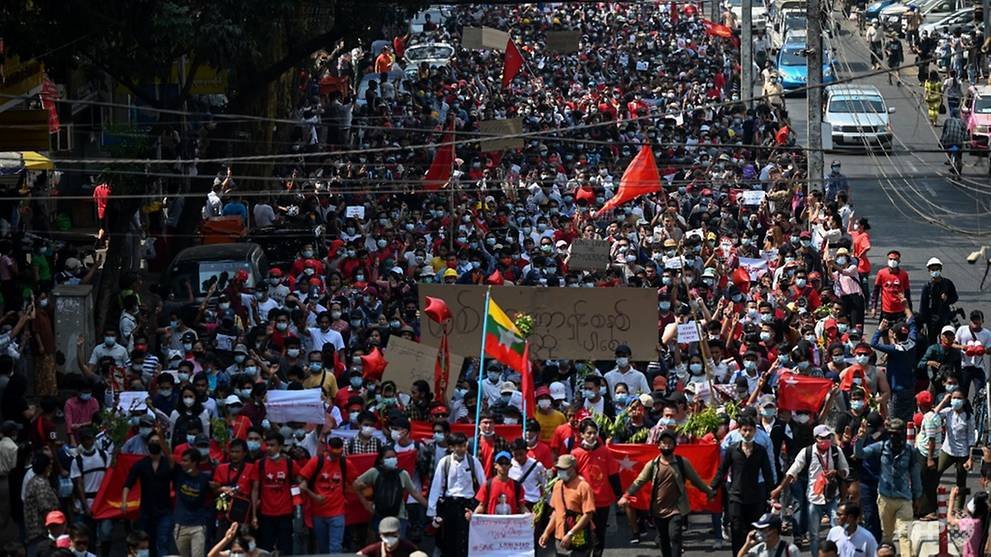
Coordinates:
(481, 370)
(526, 369)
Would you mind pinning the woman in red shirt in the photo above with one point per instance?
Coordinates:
(599, 469)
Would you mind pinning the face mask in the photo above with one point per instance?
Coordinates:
(935, 274)
(183, 377)
(837, 360)
(316, 367)
(188, 347)
(956, 403)
(439, 436)
(494, 376)
(356, 382)
(390, 541)
(142, 553)
(765, 336)
(823, 444)
(893, 263)
(589, 393)
(227, 305)
(802, 365)
(841, 261)
(188, 401)
(396, 435)
(769, 412)
(766, 317)
(109, 341)
(565, 475)
(622, 361)
(544, 404)
(802, 418)
(856, 405)
(863, 359)
(254, 445)
(203, 451)
(696, 369)
(292, 352)
(367, 430)
(664, 306)
(85, 396)
(390, 462)
(359, 278)
(800, 283)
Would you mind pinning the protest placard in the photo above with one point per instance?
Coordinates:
(753, 197)
(497, 129)
(295, 406)
(688, 332)
(474, 38)
(755, 267)
(132, 401)
(576, 323)
(562, 42)
(588, 255)
(643, 65)
(509, 535)
(355, 212)
(410, 361)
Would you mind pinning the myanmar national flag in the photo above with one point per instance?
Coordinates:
(503, 341)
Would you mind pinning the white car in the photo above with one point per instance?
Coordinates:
(858, 115)
(756, 8)
(960, 19)
(893, 17)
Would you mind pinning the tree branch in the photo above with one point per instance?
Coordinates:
(251, 82)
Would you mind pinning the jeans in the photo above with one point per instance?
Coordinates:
(971, 374)
(159, 530)
(868, 509)
(798, 500)
(329, 532)
(741, 517)
(669, 534)
(190, 541)
(275, 532)
(816, 512)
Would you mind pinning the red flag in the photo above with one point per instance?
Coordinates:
(49, 94)
(357, 465)
(439, 173)
(585, 193)
(442, 369)
(526, 384)
(640, 178)
(801, 392)
(106, 504)
(703, 457)
(425, 430)
(719, 30)
(511, 64)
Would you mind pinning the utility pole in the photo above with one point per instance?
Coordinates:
(747, 55)
(986, 4)
(714, 11)
(814, 93)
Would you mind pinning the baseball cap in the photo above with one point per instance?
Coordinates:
(822, 430)
(948, 329)
(646, 400)
(507, 387)
(54, 517)
(542, 391)
(232, 399)
(924, 397)
(389, 524)
(557, 391)
(503, 455)
(768, 520)
(565, 461)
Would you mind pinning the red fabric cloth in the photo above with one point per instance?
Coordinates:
(640, 178)
(421, 430)
(357, 465)
(490, 491)
(439, 173)
(106, 504)
(800, 392)
(704, 458)
(100, 195)
(511, 64)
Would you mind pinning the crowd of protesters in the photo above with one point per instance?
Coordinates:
(218, 477)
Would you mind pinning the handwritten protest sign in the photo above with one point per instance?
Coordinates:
(688, 332)
(497, 129)
(589, 255)
(562, 42)
(410, 361)
(355, 212)
(509, 535)
(753, 197)
(474, 38)
(295, 406)
(132, 401)
(574, 323)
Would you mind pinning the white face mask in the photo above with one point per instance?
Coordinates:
(544, 403)
(390, 541)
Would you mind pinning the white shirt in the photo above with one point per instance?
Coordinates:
(117, 352)
(319, 338)
(965, 336)
(459, 483)
(635, 381)
(93, 470)
(815, 467)
(859, 544)
(8, 456)
(533, 482)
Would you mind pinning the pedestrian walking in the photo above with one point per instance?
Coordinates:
(573, 511)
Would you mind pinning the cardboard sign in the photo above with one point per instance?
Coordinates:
(410, 361)
(642, 65)
(753, 197)
(588, 255)
(688, 333)
(295, 406)
(497, 129)
(355, 212)
(576, 323)
(492, 535)
(562, 42)
(475, 38)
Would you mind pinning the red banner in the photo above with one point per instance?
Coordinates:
(801, 392)
(357, 465)
(704, 459)
(106, 504)
(425, 430)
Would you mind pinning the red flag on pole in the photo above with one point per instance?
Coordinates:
(640, 178)
(801, 392)
(719, 30)
(631, 459)
(439, 173)
(442, 369)
(511, 64)
(526, 384)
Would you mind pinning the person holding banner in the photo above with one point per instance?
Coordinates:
(457, 479)
(155, 474)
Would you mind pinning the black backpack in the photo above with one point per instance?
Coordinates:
(389, 493)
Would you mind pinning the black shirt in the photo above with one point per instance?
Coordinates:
(155, 486)
(744, 471)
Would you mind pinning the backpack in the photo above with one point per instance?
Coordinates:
(832, 488)
(83, 472)
(389, 493)
(311, 481)
(471, 470)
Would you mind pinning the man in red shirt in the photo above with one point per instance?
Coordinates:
(489, 444)
(892, 285)
(323, 480)
(566, 435)
(501, 494)
(271, 497)
(598, 467)
(535, 448)
(236, 477)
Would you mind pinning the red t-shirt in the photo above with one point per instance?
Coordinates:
(495, 492)
(240, 426)
(274, 479)
(542, 453)
(861, 243)
(100, 195)
(892, 283)
(328, 483)
(595, 467)
(227, 476)
(559, 442)
(485, 453)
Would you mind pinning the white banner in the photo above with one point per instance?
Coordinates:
(688, 333)
(755, 267)
(132, 401)
(501, 535)
(295, 406)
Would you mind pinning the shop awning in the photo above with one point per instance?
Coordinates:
(15, 161)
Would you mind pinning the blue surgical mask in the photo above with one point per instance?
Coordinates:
(956, 403)
(856, 405)
(356, 381)
(254, 445)
(390, 462)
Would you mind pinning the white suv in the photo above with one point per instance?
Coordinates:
(858, 115)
